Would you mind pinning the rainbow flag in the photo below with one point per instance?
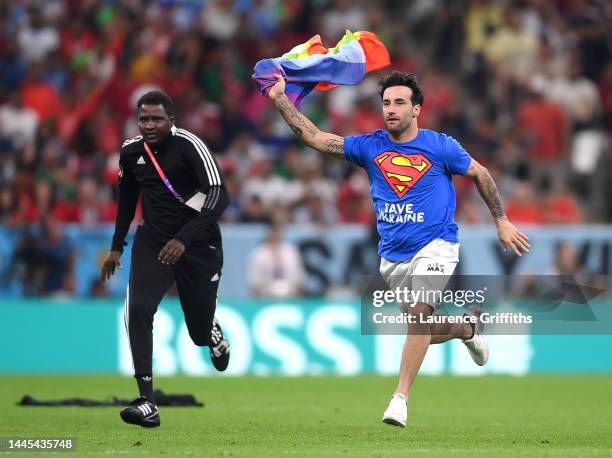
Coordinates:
(311, 66)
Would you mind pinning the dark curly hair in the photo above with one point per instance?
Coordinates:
(403, 79)
(157, 98)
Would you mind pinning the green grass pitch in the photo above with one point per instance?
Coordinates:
(548, 415)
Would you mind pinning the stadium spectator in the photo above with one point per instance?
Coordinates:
(605, 94)
(220, 19)
(561, 207)
(606, 184)
(521, 207)
(275, 268)
(8, 207)
(343, 15)
(261, 182)
(482, 19)
(254, 211)
(545, 127)
(57, 260)
(40, 96)
(576, 94)
(91, 207)
(589, 26)
(18, 123)
(315, 195)
(37, 38)
(566, 260)
(46, 203)
(12, 67)
(26, 265)
(44, 261)
(354, 200)
(232, 213)
(512, 49)
(313, 210)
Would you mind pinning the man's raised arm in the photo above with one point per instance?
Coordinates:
(302, 126)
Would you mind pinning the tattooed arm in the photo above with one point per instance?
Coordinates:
(301, 126)
(486, 188)
(509, 236)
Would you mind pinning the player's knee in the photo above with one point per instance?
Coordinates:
(418, 324)
(423, 309)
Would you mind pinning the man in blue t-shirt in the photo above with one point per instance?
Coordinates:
(410, 171)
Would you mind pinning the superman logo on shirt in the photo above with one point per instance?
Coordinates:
(402, 171)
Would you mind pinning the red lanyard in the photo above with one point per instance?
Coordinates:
(161, 174)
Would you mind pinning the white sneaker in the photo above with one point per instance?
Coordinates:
(476, 346)
(397, 412)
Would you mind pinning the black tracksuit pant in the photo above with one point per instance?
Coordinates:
(197, 274)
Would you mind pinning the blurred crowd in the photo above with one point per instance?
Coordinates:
(525, 86)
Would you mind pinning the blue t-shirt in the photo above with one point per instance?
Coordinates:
(411, 187)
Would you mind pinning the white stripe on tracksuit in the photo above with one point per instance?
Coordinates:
(213, 197)
(212, 172)
(126, 321)
(131, 140)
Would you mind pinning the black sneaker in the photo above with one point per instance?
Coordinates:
(219, 347)
(141, 412)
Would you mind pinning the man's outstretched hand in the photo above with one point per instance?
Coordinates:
(278, 89)
(511, 237)
(171, 252)
(111, 263)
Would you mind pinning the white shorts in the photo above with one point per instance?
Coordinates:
(429, 269)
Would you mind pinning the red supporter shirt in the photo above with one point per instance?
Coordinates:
(545, 125)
